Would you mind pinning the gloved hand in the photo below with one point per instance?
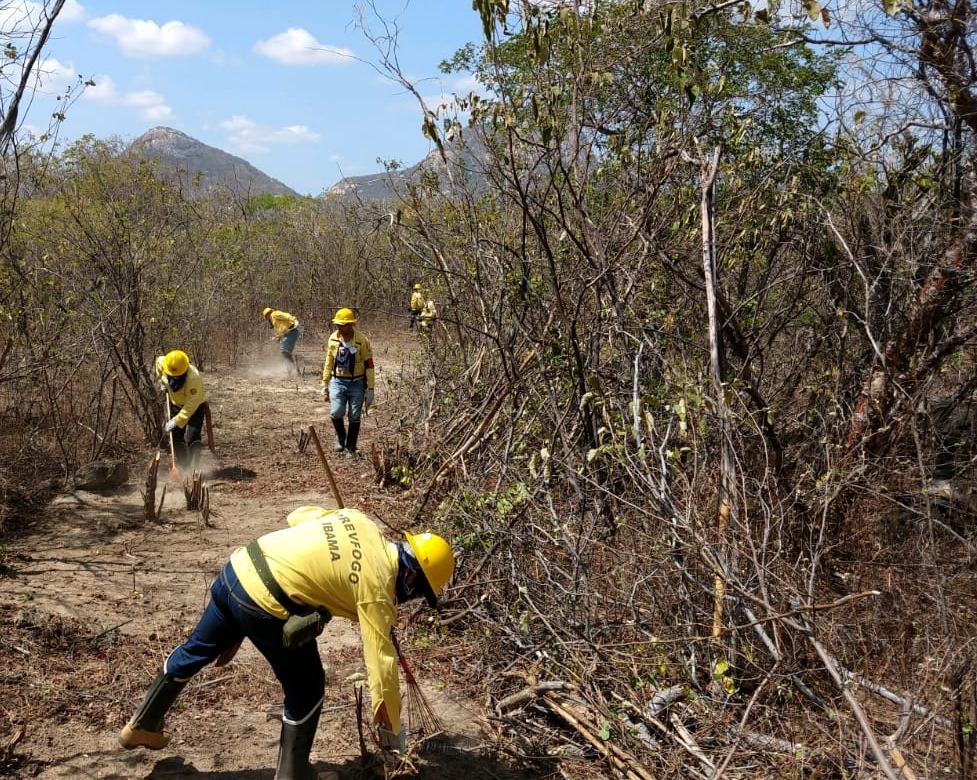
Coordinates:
(392, 742)
(324, 392)
(368, 398)
(170, 425)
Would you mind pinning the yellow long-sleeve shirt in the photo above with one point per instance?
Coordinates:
(189, 397)
(282, 321)
(337, 559)
(362, 360)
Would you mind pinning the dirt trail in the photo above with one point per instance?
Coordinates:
(90, 565)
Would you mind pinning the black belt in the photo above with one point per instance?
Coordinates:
(349, 378)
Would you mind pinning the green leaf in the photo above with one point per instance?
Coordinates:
(720, 673)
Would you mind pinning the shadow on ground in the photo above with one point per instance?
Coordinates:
(233, 474)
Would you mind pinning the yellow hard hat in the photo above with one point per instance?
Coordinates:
(344, 317)
(176, 363)
(436, 559)
(417, 287)
(265, 312)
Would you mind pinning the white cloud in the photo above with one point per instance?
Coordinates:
(151, 106)
(22, 16)
(104, 90)
(54, 76)
(157, 114)
(20, 22)
(19, 18)
(465, 84)
(73, 11)
(247, 136)
(296, 134)
(144, 38)
(299, 47)
(238, 123)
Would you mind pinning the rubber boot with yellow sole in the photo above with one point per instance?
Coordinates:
(145, 729)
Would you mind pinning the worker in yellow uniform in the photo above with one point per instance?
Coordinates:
(186, 405)
(287, 331)
(279, 592)
(415, 306)
(347, 379)
(429, 315)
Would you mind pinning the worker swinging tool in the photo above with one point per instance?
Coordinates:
(186, 406)
(287, 333)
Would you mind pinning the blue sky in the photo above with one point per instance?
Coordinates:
(283, 85)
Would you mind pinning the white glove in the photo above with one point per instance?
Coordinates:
(324, 392)
(170, 425)
(391, 741)
(368, 397)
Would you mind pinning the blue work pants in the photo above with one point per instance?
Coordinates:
(286, 344)
(231, 616)
(346, 395)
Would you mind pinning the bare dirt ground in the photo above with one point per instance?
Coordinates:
(92, 599)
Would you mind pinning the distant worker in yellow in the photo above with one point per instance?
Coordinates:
(187, 405)
(347, 379)
(416, 305)
(429, 315)
(287, 331)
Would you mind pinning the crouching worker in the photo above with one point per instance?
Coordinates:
(186, 404)
(279, 592)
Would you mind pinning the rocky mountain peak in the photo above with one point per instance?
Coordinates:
(215, 167)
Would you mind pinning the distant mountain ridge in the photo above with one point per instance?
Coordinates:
(464, 159)
(215, 167)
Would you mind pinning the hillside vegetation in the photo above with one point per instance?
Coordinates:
(699, 407)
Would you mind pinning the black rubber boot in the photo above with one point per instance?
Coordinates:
(340, 427)
(352, 436)
(180, 452)
(146, 726)
(294, 748)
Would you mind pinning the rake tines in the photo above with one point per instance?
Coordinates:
(423, 721)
